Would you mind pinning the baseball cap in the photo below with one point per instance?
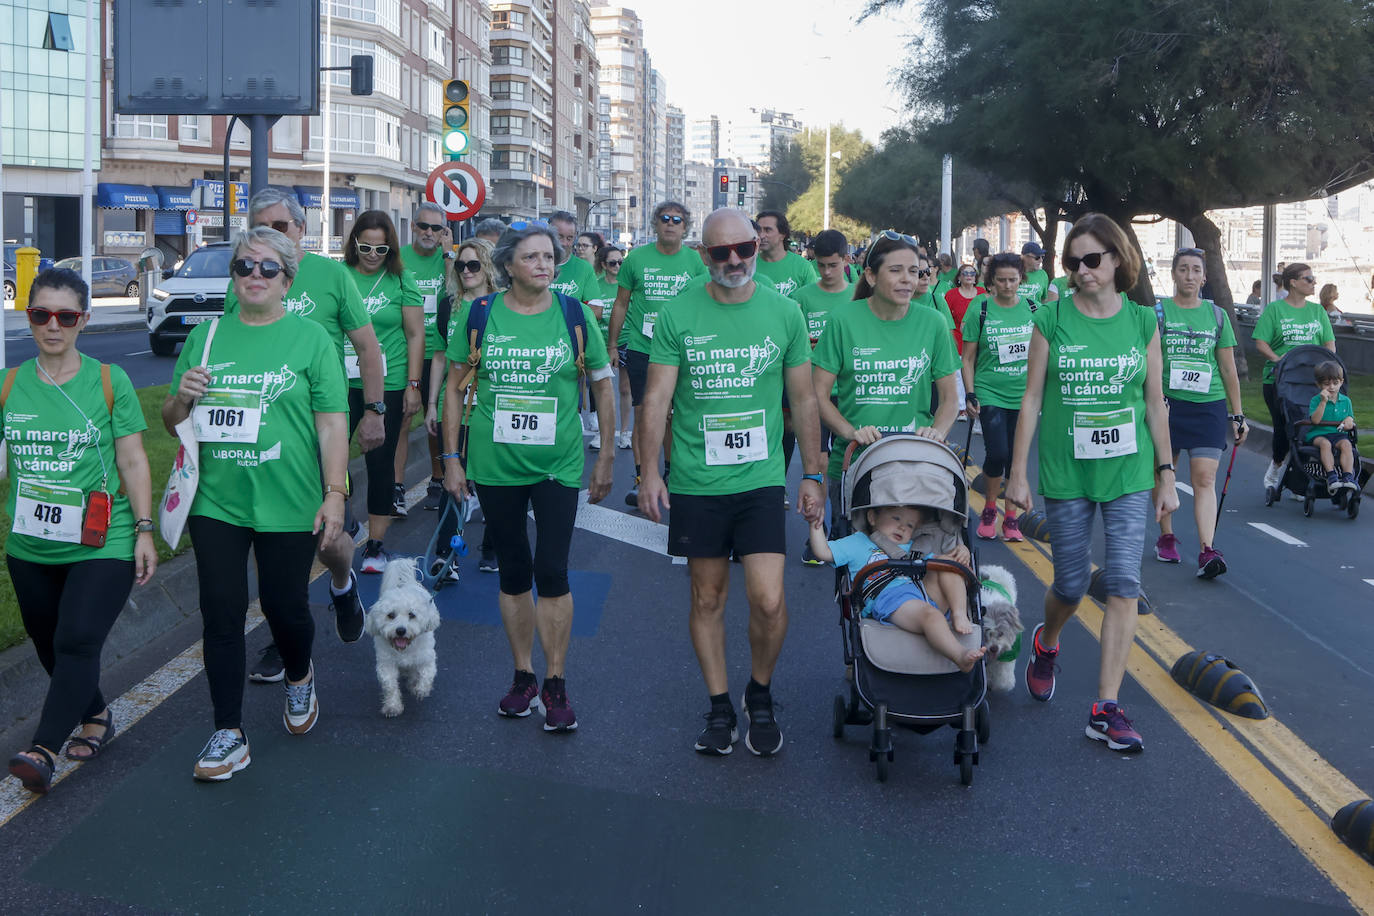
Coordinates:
(1032, 248)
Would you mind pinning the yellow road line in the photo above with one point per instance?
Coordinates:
(1151, 657)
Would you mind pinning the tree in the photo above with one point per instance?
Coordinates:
(796, 183)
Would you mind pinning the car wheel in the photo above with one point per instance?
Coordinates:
(160, 346)
(131, 291)
(9, 290)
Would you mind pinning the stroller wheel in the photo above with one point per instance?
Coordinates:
(1307, 503)
(1352, 505)
(841, 712)
(983, 718)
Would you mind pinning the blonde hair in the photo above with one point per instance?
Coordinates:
(454, 285)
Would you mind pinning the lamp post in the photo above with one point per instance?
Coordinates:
(828, 156)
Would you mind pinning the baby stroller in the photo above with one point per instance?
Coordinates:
(1295, 386)
(896, 675)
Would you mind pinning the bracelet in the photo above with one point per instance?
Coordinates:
(1162, 468)
(413, 383)
(819, 478)
(1238, 418)
(336, 488)
(450, 455)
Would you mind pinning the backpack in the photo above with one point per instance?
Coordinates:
(983, 314)
(1214, 334)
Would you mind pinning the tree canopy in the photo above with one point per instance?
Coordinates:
(796, 182)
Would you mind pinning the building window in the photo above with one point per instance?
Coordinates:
(140, 127)
(507, 89)
(360, 131)
(508, 124)
(386, 66)
(509, 159)
(194, 129)
(508, 19)
(58, 35)
(386, 13)
(508, 56)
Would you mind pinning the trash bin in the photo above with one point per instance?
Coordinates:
(150, 272)
(26, 268)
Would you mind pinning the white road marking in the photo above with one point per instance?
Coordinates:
(1369, 581)
(1184, 487)
(138, 353)
(1278, 535)
(635, 530)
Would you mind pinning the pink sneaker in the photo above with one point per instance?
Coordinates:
(1166, 549)
(1011, 528)
(987, 523)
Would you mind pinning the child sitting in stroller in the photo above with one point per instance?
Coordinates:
(912, 606)
(1333, 420)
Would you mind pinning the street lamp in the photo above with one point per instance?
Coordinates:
(828, 156)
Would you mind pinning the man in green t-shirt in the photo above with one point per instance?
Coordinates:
(427, 258)
(575, 276)
(721, 357)
(1037, 282)
(789, 272)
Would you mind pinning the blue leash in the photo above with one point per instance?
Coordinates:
(429, 577)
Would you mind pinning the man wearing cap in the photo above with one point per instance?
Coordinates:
(1037, 281)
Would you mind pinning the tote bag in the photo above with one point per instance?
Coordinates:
(181, 484)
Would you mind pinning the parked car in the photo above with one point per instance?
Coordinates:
(11, 282)
(188, 295)
(109, 276)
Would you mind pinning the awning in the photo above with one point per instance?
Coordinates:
(339, 198)
(125, 196)
(173, 198)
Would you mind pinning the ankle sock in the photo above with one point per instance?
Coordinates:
(721, 699)
(755, 689)
(342, 591)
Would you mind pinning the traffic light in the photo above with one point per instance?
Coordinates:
(456, 117)
(231, 198)
(743, 179)
(741, 192)
(724, 183)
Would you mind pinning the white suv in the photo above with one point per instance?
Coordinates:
(188, 296)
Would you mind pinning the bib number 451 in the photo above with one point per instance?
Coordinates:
(738, 440)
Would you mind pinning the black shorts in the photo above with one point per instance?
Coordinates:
(713, 526)
(637, 366)
(1198, 426)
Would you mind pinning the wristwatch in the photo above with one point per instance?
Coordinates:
(143, 526)
(377, 407)
(413, 383)
(1162, 468)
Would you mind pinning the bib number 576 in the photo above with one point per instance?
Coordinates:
(524, 421)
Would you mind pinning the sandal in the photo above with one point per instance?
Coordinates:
(36, 775)
(94, 744)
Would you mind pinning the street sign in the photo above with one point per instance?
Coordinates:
(192, 217)
(457, 188)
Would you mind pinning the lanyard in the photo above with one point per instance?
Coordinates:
(104, 470)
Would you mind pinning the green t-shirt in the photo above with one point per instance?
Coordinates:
(525, 426)
(322, 292)
(605, 298)
(817, 304)
(999, 375)
(727, 427)
(1332, 416)
(259, 454)
(384, 296)
(576, 278)
(1094, 443)
(789, 274)
(885, 370)
(429, 279)
(1034, 286)
(949, 279)
(653, 278)
(929, 300)
(1189, 347)
(1061, 285)
(55, 459)
(1284, 327)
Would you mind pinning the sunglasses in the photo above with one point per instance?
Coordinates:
(968, 273)
(467, 267)
(1307, 279)
(429, 227)
(280, 225)
(923, 272)
(1090, 261)
(745, 250)
(267, 269)
(667, 218)
(39, 317)
(892, 235)
(617, 262)
(379, 250)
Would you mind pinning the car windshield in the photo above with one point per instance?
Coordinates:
(206, 262)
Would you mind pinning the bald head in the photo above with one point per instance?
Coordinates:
(727, 226)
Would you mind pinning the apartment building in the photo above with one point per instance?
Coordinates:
(625, 83)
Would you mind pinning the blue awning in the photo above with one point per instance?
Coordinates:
(339, 198)
(173, 198)
(125, 196)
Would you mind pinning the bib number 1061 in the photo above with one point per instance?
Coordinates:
(226, 417)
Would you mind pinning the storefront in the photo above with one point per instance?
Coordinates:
(344, 204)
(124, 218)
(169, 223)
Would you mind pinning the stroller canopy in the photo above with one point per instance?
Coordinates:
(1295, 379)
(907, 470)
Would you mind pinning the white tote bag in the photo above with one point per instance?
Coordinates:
(181, 484)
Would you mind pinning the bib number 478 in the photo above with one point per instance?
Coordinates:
(51, 515)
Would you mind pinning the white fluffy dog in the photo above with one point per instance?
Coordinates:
(1001, 625)
(402, 623)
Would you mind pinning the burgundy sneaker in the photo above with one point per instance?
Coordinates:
(1166, 549)
(522, 698)
(558, 713)
(987, 523)
(1108, 723)
(1210, 563)
(1040, 671)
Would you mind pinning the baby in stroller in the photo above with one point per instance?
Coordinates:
(1333, 418)
(901, 601)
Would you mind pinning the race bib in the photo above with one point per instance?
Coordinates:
(648, 327)
(48, 511)
(431, 304)
(228, 415)
(1190, 375)
(351, 367)
(1104, 435)
(525, 420)
(1014, 349)
(735, 438)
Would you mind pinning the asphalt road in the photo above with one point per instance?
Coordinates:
(451, 808)
(129, 349)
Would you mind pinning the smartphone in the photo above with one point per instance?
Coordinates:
(97, 522)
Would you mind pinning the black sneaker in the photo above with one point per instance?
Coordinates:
(434, 495)
(398, 502)
(375, 557)
(269, 669)
(488, 563)
(348, 611)
(632, 497)
(763, 737)
(721, 732)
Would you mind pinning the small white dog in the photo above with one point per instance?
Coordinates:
(402, 623)
(1001, 625)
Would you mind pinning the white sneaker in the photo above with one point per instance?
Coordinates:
(223, 755)
(595, 425)
(977, 426)
(302, 709)
(1273, 475)
(595, 444)
(623, 440)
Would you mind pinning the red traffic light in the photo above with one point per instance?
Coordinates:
(725, 184)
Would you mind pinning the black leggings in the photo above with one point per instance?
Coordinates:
(68, 609)
(999, 432)
(1279, 441)
(555, 510)
(283, 560)
(381, 461)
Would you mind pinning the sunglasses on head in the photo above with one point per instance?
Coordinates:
(428, 227)
(529, 224)
(892, 235)
(41, 316)
(745, 250)
(379, 250)
(467, 267)
(281, 225)
(674, 218)
(1090, 261)
(267, 269)
(616, 263)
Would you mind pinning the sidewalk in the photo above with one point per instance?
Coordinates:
(108, 313)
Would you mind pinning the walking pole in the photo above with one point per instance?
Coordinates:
(1222, 501)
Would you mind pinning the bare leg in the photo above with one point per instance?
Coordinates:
(553, 618)
(1118, 633)
(402, 454)
(1057, 614)
(377, 525)
(1203, 472)
(1324, 450)
(925, 619)
(1347, 456)
(767, 611)
(946, 590)
(338, 556)
(706, 619)
(517, 613)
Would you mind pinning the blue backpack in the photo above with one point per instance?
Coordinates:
(476, 327)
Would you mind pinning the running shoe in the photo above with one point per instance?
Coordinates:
(1011, 528)
(1272, 475)
(622, 439)
(302, 708)
(1166, 549)
(594, 424)
(632, 497)
(558, 712)
(487, 563)
(1349, 482)
(398, 502)
(809, 557)
(763, 737)
(522, 698)
(223, 755)
(1040, 670)
(1333, 482)
(269, 668)
(348, 611)
(434, 495)
(595, 442)
(987, 523)
(1108, 723)
(1210, 563)
(374, 557)
(721, 731)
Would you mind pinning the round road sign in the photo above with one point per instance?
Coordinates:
(192, 217)
(457, 188)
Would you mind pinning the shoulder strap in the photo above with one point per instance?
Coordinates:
(107, 386)
(982, 317)
(577, 327)
(1159, 318)
(1219, 314)
(477, 326)
(9, 383)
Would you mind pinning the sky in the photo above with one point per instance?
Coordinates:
(724, 58)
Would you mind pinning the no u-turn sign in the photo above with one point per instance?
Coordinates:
(457, 188)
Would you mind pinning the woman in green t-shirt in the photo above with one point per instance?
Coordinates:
(608, 261)
(1198, 347)
(393, 301)
(1095, 369)
(525, 450)
(1284, 324)
(77, 469)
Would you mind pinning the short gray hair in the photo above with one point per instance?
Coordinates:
(270, 197)
(281, 246)
(490, 224)
(504, 252)
(432, 206)
(667, 205)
